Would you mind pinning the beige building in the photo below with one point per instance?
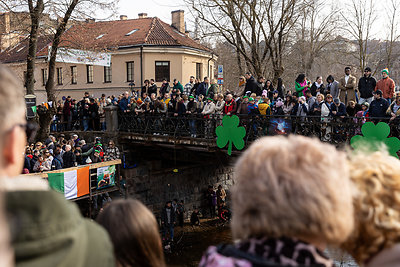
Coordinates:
(143, 48)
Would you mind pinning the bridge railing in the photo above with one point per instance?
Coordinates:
(328, 129)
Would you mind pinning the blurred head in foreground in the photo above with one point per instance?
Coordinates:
(294, 187)
(376, 235)
(134, 233)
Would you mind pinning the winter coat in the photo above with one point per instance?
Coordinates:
(386, 86)
(219, 107)
(202, 89)
(314, 89)
(378, 107)
(340, 110)
(350, 85)
(123, 104)
(178, 86)
(253, 86)
(333, 89)
(366, 85)
(300, 87)
(212, 90)
(230, 107)
(265, 253)
(242, 109)
(152, 89)
(391, 109)
(164, 89)
(264, 108)
(209, 108)
(48, 230)
(192, 107)
(69, 159)
(164, 215)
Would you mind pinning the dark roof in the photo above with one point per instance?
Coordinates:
(19, 52)
(110, 35)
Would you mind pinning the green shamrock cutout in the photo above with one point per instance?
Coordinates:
(229, 133)
(374, 137)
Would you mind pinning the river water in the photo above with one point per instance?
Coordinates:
(191, 243)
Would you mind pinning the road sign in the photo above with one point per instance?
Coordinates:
(221, 70)
(220, 81)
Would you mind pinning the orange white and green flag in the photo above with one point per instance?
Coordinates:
(72, 184)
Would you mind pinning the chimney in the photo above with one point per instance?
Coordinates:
(178, 20)
(123, 17)
(142, 15)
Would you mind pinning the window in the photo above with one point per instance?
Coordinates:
(162, 71)
(199, 71)
(44, 76)
(89, 73)
(74, 75)
(129, 71)
(59, 76)
(107, 74)
(132, 31)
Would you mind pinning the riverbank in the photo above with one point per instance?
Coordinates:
(191, 242)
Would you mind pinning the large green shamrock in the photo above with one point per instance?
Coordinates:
(374, 137)
(229, 133)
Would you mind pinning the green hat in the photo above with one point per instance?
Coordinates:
(191, 96)
(385, 71)
(209, 98)
(251, 99)
(245, 97)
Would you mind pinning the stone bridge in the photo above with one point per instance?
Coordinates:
(167, 157)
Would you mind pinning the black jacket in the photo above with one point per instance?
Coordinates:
(253, 86)
(378, 108)
(69, 159)
(366, 85)
(314, 89)
(152, 89)
(164, 217)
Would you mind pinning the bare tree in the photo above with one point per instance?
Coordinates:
(35, 12)
(358, 22)
(393, 34)
(258, 29)
(315, 29)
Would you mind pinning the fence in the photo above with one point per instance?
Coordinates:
(328, 129)
(334, 130)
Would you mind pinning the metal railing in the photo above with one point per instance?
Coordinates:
(335, 130)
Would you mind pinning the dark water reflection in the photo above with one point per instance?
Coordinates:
(191, 243)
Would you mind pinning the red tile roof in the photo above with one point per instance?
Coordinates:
(110, 35)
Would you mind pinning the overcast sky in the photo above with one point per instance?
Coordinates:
(154, 8)
(162, 9)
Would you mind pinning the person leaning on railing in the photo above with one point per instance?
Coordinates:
(394, 109)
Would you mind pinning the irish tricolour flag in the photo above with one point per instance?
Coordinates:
(72, 183)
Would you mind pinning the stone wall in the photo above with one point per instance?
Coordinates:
(154, 186)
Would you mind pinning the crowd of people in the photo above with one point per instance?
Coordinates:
(284, 214)
(55, 154)
(334, 98)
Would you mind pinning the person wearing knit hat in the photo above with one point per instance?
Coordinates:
(386, 85)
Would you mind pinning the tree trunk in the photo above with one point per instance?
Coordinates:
(35, 14)
(47, 115)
